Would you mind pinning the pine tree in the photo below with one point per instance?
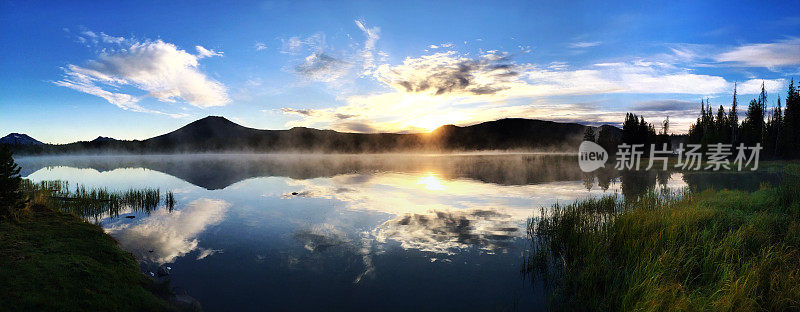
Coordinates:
(777, 129)
(733, 118)
(791, 123)
(753, 125)
(11, 197)
(607, 140)
(762, 103)
(635, 130)
(697, 131)
(721, 126)
(589, 134)
(707, 123)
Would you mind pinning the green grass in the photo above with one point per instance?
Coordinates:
(714, 250)
(55, 261)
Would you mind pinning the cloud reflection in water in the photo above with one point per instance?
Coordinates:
(170, 235)
(433, 214)
(447, 232)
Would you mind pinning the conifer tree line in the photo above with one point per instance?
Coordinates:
(635, 130)
(776, 128)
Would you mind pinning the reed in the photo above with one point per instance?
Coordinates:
(95, 203)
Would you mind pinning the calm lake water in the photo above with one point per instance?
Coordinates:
(325, 232)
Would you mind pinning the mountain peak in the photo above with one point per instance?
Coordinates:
(212, 120)
(215, 123)
(19, 139)
(205, 129)
(219, 118)
(103, 139)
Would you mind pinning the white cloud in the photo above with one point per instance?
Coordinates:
(161, 69)
(260, 46)
(769, 55)
(753, 86)
(446, 72)
(203, 52)
(111, 39)
(88, 36)
(585, 44)
(443, 46)
(297, 44)
(89, 33)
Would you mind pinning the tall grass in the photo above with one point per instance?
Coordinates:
(95, 203)
(712, 250)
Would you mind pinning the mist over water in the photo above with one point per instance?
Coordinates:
(353, 232)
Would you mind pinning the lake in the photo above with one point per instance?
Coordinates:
(349, 232)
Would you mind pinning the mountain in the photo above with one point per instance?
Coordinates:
(218, 134)
(103, 139)
(510, 133)
(19, 139)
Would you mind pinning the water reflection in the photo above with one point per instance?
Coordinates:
(449, 232)
(219, 171)
(164, 236)
(256, 232)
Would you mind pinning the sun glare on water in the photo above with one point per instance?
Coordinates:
(431, 182)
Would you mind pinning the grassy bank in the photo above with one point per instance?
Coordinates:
(713, 250)
(54, 260)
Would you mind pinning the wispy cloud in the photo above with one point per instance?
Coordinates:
(203, 52)
(585, 44)
(322, 67)
(297, 44)
(301, 112)
(368, 51)
(665, 105)
(443, 46)
(769, 55)
(93, 38)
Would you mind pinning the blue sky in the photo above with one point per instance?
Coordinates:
(133, 70)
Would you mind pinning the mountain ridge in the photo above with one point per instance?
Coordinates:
(218, 134)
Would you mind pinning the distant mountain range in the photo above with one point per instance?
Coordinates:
(218, 134)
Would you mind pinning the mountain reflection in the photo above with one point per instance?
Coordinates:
(219, 171)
